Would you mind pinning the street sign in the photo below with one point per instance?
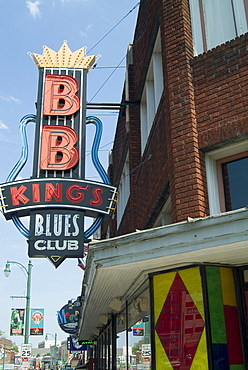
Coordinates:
(26, 350)
(146, 350)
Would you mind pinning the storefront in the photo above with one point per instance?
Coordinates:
(172, 297)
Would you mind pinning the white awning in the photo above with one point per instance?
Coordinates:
(117, 267)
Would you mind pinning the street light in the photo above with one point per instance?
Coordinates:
(7, 272)
(55, 346)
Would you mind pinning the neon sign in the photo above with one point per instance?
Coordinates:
(57, 197)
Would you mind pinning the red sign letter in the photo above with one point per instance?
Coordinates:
(78, 197)
(52, 192)
(36, 193)
(98, 199)
(60, 95)
(57, 148)
(17, 195)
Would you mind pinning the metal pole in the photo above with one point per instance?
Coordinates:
(27, 310)
(55, 350)
(4, 353)
(27, 313)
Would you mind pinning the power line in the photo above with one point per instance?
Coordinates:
(107, 80)
(130, 11)
(109, 67)
(119, 65)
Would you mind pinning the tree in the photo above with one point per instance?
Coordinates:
(14, 347)
(135, 348)
(2, 334)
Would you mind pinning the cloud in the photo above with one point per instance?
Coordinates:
(10, 98)
(89, 27)
(4, 137)
(84, 33)
(81, 1)
(3, 126)
(34, 8)
(7, 138)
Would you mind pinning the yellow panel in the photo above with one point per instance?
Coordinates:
(162, 284)
(192, 280)
(200, 361)
(161, 287)
(228, 289)
(162, 361)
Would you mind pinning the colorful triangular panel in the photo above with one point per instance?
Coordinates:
(180, 337)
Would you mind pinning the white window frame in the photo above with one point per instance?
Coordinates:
(211, 26)
(123, 190)
(164, 218)
(215, 196)
(152, 92)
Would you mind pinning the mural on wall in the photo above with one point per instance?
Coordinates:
(57, 197)
(180, 333)
(196, 319)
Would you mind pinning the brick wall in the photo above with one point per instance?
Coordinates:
(221, 94)
(203, 105)
(6, 345)
(186, 176)
(144, 38)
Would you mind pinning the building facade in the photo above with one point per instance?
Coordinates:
(6, 353)
(173, 264)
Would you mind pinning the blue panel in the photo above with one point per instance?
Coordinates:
(220, 357)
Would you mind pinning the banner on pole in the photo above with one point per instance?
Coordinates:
(17, 321)
(37, 321)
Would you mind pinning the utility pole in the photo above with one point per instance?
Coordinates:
(28, 295)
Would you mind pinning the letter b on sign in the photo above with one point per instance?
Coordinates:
(60, 97)
(58, 151)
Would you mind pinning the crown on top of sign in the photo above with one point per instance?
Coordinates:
(64, 58)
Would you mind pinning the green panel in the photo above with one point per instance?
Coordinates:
(216, 311)
(236, 367)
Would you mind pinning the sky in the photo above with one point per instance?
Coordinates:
(25, 26)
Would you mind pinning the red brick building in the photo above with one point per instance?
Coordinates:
(6, 353)
(200, 106)
(175, 254)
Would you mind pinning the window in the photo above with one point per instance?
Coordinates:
(234, 184)
(152, 92)
(123, 190)
(217, 21)
(164, 217)
(104, 348)
(134, 334)
(227, 178)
